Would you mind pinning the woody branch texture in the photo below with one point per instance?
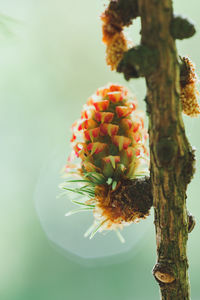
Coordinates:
(171, 156)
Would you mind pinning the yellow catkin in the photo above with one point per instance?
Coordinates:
(189, 101)
(189, 93)
(115, 50)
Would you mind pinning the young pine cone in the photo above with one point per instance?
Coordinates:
(110, 141)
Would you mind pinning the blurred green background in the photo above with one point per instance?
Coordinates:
(50, 62)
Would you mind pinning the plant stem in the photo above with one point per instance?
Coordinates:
(170, 153)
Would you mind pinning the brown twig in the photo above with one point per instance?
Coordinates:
(172, 158)
(169, 151)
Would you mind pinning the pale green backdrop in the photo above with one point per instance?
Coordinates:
(50, 62)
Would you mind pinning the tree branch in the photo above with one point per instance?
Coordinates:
(172, 157)
(170, 151)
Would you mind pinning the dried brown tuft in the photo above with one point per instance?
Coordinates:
(109, 28)
(129, 202)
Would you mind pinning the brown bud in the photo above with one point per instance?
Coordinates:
(191, 222)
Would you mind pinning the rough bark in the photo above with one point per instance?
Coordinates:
(171, 155)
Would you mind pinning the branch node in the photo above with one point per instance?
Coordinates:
(123, 11)
(187, 71)
(138, 62)
(181, 28)
(163, 273)
(166, 150)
